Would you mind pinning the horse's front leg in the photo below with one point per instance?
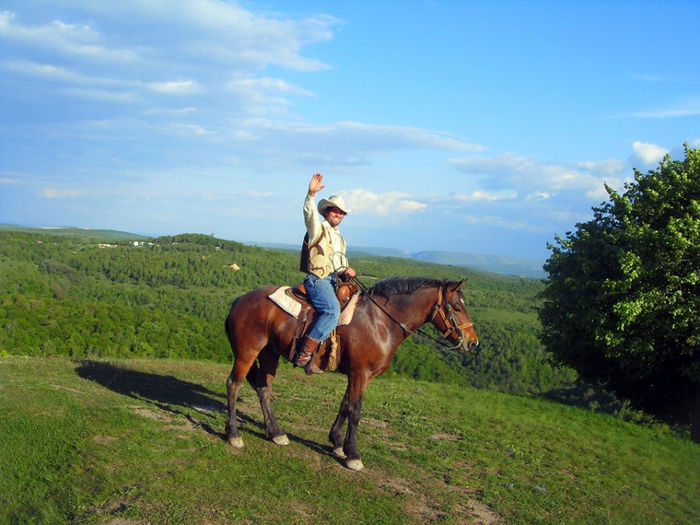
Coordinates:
(261, 381)
(335, 436)
(356, 390)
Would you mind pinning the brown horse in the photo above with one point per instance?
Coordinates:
(387, 313)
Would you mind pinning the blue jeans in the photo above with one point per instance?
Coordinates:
(322, 295)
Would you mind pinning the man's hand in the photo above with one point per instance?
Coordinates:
(316, 184)
(350, 273)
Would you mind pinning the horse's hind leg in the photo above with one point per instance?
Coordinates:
(261, 381)
(241, 366)
(232, 433)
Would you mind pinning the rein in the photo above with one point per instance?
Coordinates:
(445, 313)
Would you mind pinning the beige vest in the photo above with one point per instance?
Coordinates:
(316, 256)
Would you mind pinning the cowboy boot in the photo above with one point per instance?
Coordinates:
(311, 367)
(306, 354)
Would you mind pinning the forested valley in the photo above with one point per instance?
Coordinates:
(85, 296)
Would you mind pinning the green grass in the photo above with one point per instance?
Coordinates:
(140, 441)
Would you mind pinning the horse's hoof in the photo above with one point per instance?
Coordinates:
(281, 440)
(338, 451)
(354, 464)
(236, 441)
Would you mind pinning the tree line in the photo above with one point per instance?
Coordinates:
(168, 297)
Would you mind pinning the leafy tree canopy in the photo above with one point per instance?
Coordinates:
(622, 299)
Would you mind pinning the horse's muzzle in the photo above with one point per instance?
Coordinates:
(471, 345)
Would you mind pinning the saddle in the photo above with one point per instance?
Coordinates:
(326, 356)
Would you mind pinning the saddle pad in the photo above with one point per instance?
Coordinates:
(281, 299)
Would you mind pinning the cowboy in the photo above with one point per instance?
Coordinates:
(322, 259)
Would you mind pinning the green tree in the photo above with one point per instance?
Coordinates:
(622, 299)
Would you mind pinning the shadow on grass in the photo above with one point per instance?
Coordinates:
(153, 387)
(171, 394)
(596, 399)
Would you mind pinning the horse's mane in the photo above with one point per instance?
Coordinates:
(401, 285)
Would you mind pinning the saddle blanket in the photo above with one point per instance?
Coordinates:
(293, 307)
(289, 305)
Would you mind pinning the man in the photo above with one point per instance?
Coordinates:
(322, 258)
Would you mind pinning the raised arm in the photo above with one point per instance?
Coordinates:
(311, 216)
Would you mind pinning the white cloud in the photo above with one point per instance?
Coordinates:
(172, 111)
(480, 195)
(663, 113)
(366, 202)
(358, 136)
(220, 31)
(58, 36)
(599, 193)
(63, 74)
(508, 223)
(540, 181)
(190, 129)
(52, 193)
(248, 84)
(648, 153)
(103, 94)
(538, 196)
(47, 71)
(526, 173)
(604, 167)
(686, 107)
(259, 95)
(176, 87)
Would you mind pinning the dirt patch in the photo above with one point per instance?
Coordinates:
(419, 505)
(68, 389)
(109, 513)
(210, 410)
(103, 440)
(150, 414)
(442, 436)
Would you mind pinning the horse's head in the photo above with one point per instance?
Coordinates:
(450, 317)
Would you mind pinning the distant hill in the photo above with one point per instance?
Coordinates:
(490, 263)
(71, 230)
(500, 264)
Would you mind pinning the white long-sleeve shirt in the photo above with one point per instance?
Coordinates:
(312, 219)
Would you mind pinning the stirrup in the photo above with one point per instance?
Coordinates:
(302, 359)
(307, 352)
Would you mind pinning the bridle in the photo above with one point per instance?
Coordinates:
(446, 313)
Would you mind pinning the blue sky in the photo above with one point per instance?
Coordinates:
(485, 127)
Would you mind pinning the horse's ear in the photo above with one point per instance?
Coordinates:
(457, 285)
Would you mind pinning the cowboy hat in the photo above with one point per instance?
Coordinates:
(333, 200)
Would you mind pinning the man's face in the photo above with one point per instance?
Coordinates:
(334, 215)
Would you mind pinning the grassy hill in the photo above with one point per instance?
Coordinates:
(112, 367)
(140, 441)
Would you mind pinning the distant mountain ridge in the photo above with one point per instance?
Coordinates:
(490, 263)
(72, 230)
(500, 264)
